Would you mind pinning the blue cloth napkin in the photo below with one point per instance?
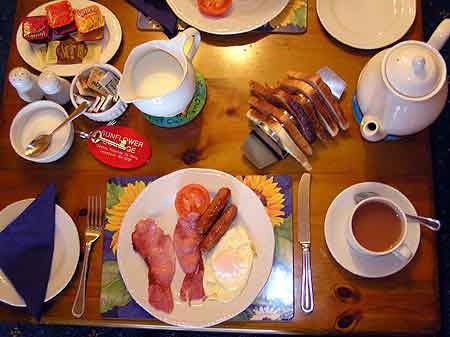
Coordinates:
(26, 250)
(159, 11)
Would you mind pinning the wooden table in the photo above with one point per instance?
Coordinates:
(405, 303)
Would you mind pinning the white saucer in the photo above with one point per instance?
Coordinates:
(366, 24)
(65, 253)
(335, 226)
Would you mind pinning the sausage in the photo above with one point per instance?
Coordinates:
(214, 209)
(219, 228)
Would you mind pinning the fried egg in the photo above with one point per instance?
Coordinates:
(228, 265)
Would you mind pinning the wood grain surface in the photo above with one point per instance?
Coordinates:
(405, 303)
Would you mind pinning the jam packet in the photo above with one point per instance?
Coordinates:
(89, 18)
(59, 14)
(62, 32)
(94, 35)
(35, 28)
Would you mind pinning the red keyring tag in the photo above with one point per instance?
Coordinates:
(119, 147)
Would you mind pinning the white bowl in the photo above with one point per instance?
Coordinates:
(38, 118)
(112, 113)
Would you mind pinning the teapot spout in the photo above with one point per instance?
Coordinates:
(371, 129)
(440, 35)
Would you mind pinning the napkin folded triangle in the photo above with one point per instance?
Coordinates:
(159, 11)
(26, 250)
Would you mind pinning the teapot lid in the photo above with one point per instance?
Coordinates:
(414, 69)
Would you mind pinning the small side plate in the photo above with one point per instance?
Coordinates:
(65, 254)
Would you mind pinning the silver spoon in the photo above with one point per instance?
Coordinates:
(430, 223)
(42, 142)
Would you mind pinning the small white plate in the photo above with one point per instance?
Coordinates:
(243, 16)
(335, 226)
(110, 43)
(367, 24)
(157, 202)
(66, 253)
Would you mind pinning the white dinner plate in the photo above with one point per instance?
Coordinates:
(367, 24)
(66, 253)
(110, 43)
(243, 16)
(336, 222)
(157, 202)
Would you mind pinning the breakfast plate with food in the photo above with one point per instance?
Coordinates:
(225, 17)
(61, 36)
(195, 248)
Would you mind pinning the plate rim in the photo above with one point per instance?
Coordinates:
(20, 42)
(364, 46)
(76, 246)
(179, 14)
(223, 318)
(326, 225)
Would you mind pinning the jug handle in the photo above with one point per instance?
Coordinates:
(184, 36)
(440, 35)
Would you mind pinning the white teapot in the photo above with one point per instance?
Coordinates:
(403, 89)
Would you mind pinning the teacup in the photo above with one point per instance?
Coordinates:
(377, 226)
(158, 76)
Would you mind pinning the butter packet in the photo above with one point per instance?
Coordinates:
(94, 51)
(102, 81)
(89, 18)
(51, 57)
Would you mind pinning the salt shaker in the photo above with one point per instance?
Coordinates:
(56, 89)
(26, 84)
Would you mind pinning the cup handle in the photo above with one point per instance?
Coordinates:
(184, 36)
(403, 252)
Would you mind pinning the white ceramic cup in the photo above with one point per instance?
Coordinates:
(400, 249)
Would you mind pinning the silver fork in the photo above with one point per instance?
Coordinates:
(91, 234)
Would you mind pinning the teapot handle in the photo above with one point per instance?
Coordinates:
(184, 36)
(440, 35)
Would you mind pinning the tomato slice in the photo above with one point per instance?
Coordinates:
(214, 7)
(192, 198)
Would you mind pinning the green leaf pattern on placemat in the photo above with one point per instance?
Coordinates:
(113, 291)
(292, 18)
(283, 244)
(113, 194)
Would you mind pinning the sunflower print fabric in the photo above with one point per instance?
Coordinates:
(274, 192)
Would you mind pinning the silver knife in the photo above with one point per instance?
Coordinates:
(304, 238)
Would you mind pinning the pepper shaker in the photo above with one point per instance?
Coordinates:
(26, 84)
(56, 89)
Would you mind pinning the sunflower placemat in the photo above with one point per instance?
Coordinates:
(276, 300)
(293, 19)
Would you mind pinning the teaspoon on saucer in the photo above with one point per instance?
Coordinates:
(430, 223)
